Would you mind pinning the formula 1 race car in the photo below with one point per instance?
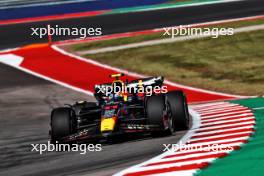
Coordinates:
(122, 112)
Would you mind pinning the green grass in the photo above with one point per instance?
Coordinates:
(145, 37)
(228, 64)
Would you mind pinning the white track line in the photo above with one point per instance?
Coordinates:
(210, 104)
(223, 126)
(204, 113)
(216, 108)
(220, 135)
(161, 166)
(222, 141)
(224, 130)
(229, 120)
(190, 156)
(225, 114)
(228, 117)
(181, 173)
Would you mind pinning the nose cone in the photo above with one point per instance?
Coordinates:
(108, 124)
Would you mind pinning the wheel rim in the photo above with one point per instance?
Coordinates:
(170, 123)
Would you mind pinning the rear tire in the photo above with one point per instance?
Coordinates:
(61, 123)
(179, 109)
(155, 108)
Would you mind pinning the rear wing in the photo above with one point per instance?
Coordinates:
(144, 82)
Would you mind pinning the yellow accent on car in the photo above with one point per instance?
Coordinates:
(140, 84)
(107, 124)
(125, 97)
(117, 75)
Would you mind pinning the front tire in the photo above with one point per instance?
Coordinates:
(61, 123)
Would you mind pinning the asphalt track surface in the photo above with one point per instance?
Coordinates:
(26, 101)
(20, 34)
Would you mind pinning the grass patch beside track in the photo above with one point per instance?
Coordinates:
(231, 64)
